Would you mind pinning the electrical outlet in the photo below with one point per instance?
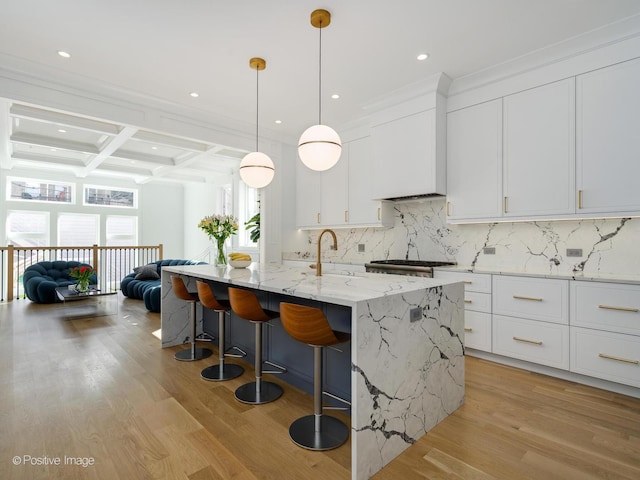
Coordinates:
(574, 252)
(415, 314)
(360, 247)
(489, 250)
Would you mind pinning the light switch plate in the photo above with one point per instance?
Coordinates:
(489, 250)
(415, 314)
(360, 247)
(574, 252)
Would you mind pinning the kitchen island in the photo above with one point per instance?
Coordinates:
(407, 354)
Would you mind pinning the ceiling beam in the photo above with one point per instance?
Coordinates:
(5, 133)
(49, 116)
(30, 139)
(113, 145)
(169, 141)
(35, 157)
(142, 157)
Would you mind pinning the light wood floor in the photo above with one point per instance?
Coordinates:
(102, 389)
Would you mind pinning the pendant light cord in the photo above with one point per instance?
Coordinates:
(320, 78)
(257, 106)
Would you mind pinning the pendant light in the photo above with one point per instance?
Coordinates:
(319, 146)
(256, 168)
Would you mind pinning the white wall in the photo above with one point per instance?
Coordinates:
(161, 218)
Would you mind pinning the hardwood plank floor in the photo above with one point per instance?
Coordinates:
(101, 389)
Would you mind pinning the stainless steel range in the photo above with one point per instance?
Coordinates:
(415, 268)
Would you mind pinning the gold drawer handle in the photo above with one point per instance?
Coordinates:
(621, 309)
(346, 216)
(468, 329)
(448, 209)
(618, 359)
(468, 282)
(379, 213)
(534, 342)
(579, 198)
(467, 301)
(534, 299)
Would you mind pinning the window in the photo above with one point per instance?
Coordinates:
(111, 197)
(39, 190)
(76, 229)
(28, 229)
(122, 230)
(248, 206)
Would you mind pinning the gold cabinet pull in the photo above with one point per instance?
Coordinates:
(379, 214)
(346, 216)
(468, 282)
(621, 309)
(318, 217)
(504, 204)
(579, 198)
(467, 301)
(448, 209)
(468, 329)
(618, 359)
(533, 299)
(533, 342)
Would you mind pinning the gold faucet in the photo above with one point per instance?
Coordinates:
(335, 247)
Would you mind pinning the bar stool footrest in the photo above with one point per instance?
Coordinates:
(280, 369)
(205, 337)
(332, 434)
(242, 353)
(339, 399)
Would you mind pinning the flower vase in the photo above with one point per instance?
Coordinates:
(82, 286)
(221, 254)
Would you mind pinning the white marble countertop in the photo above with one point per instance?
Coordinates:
(582, 276)
(335, 286)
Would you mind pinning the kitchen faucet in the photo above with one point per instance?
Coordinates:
(335, 247)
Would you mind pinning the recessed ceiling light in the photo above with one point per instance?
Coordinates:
(423, 56)
(194, 94)
(278, 122)
(154, 148)
(64, 54)
(335, 96)
(54, 150)
(62, 130)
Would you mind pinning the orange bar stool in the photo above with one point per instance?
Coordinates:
(245, 304)
(192, 353)
(222, 371)
(309, 325)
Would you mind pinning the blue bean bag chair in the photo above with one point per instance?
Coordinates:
(41, 279)
(144, 282)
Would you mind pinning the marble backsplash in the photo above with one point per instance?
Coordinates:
(420, 232)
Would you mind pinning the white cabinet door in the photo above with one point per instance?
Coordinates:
(405, 156)
(538, 150)
(608, 139)
(474, 162)
(363, 210)
(308, 197)
(335, 196)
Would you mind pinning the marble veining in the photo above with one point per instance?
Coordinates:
(406, 376)
(420, 232)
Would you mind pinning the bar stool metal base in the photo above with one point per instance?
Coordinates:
(191, 355)
(249, 393)
(219, 373)
(332, 434)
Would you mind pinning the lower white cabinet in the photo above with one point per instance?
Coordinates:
(531, 297)
(531, 340)
(477, 330)
(607, 355)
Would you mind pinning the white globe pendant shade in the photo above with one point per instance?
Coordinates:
(257, 170)
(319, 147)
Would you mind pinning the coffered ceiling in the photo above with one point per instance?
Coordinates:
(163, 50)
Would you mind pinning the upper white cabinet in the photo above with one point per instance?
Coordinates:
(538, 151)
(363, 210)
(608, 139)
(474, 161)
(342, 195)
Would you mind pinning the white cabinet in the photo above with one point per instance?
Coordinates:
(363, 210)
(308, 197)
(608, 139)
(474, 162)
(409, 155)
(342, 195)
(538, 151)
(335, 193)
(477, 307)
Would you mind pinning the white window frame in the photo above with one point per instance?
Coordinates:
(12, 238)
(107, 237)
(61, 215)
(86, 187)
(71, 187)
